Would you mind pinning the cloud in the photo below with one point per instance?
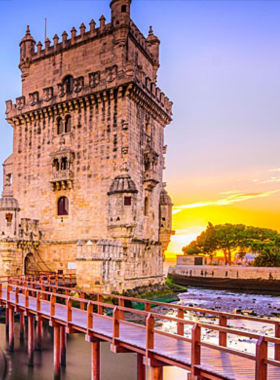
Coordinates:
(275, 170)
(230, 192)
(271, 180)
(225, 201)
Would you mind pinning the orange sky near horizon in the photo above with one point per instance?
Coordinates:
(252, 200)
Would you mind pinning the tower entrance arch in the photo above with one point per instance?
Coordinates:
(29, 263)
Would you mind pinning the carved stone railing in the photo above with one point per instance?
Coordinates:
(62, 179)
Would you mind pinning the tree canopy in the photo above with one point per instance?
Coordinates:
(238, 238)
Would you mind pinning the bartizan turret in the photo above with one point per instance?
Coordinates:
(153, 46)
(27, 50)
(120, 12)
(165, 206)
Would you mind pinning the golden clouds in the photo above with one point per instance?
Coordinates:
(225, 201)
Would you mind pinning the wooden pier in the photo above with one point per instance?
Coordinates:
(47, 298)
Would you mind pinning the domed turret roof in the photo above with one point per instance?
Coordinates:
(9, 204)
(165, 198)
(27, 36)
(122, 184)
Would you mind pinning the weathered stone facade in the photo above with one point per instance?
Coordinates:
(85, 175)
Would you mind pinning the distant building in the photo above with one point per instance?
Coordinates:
(83, 189)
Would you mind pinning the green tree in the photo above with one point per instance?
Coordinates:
(230, 238)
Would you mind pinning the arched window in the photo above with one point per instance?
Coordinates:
(68, 83)
(56, 164)
(59, 123)
(63, 206)
(68, 124)
(64, 163)
(146, 206)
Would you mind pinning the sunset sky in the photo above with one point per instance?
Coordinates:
(220, 64)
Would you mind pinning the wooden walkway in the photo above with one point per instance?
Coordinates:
(46, 300)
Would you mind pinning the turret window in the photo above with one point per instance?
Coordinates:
(68, 124)
(123, 8)
(63, 206)
(59, 124)
(127, 201)
(68, 83)
(9, 218)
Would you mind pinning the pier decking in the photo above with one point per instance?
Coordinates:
(47, 298)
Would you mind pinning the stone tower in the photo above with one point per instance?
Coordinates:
(85, 176)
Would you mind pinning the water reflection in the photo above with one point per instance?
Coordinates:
(113, 366)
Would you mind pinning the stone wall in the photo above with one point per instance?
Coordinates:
(208, 271)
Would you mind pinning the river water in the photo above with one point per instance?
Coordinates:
(123, 366)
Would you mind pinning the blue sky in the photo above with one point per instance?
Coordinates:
(220, 64)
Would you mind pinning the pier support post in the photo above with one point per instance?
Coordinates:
(63, 344)
(95, 360)
(30, 340)
(141, 368)
(21, 325)
(7, 319)
(39, 333)
(156, 373)
(11, 327)
(56, 352)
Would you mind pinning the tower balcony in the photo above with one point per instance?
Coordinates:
(151, 179)
(62, 179)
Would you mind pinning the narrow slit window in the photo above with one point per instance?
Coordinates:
(146, 206)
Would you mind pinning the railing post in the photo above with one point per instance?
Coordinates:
(180, 326)
(16, 296)
(38, 301)
(82, 304)
(121, 312)
(8, 293)
(148, 307)
(261, 356)
(63, 279)
(196, 349)
(150, 324)
(26, 298)
(222, 334)
(277, 346)
(53, 301)
(89, 316)
(99, 307)
(69, 309)
(116, 325)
